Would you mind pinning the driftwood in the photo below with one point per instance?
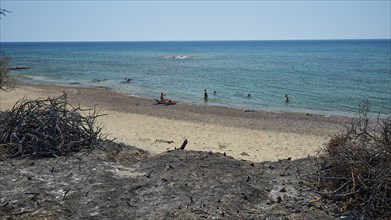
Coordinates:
(48, 127)
(183, 145)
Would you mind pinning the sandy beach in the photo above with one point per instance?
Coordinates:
(255, 136)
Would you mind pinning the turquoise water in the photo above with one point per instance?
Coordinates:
(320, 77)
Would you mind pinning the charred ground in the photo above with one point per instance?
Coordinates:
(123, 182)
(79, 175)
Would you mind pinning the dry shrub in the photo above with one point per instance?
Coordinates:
(355, 166)
(6, 83)
(48, 127)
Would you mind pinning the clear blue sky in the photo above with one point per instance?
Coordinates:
(193, 20)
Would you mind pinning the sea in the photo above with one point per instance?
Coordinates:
(326, 77)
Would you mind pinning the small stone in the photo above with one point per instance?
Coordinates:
(244, 154)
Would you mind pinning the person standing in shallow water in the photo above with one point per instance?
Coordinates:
(205, 95)
(286, 98)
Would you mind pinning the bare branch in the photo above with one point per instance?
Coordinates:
(48, 127)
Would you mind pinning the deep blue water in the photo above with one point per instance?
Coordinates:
(329, 77)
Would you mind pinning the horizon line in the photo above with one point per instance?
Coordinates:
(97, 41)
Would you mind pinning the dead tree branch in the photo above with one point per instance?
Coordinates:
(354, 167)
(48, 127)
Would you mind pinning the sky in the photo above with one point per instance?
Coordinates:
(185, 20)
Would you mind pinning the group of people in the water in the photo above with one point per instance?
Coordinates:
(286, 97)
(172, 101)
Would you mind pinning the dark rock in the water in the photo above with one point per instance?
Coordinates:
(17, 68)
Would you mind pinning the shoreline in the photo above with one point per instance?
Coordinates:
(255, 136)
(276, 110)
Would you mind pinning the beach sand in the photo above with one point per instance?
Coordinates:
(255, 136)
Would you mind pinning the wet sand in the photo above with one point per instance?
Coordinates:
(255, 136)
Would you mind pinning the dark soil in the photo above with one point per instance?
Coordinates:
(123, 182)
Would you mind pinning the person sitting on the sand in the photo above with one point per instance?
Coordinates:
(162, 99)
(171, 101)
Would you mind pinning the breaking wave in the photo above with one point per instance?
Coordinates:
(178, 57)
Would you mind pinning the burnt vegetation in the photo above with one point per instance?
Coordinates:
(354, 167)
(351, 175)
(48, 127)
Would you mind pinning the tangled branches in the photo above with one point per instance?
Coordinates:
(49, 127)
(355, 166)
